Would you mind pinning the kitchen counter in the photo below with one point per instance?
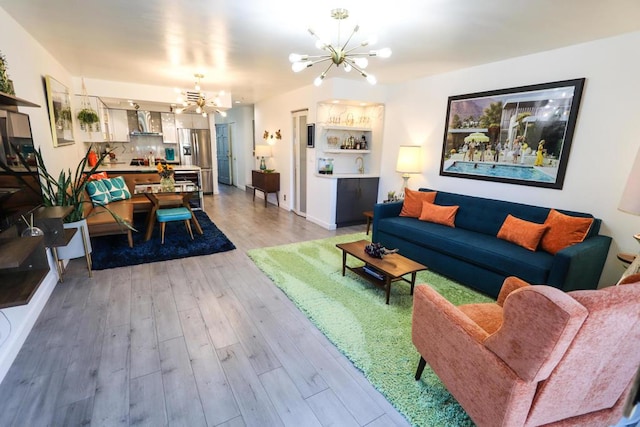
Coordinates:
(120, 167)
(347, 175)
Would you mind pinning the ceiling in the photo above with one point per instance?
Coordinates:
(242, 46)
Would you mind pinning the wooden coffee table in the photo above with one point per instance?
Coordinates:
(391, 268)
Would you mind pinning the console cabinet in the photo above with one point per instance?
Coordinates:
(355, 196)
(267, 183)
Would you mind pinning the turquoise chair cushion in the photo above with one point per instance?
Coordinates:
(173, 214)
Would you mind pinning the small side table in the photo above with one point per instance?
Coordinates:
(626, 258)
(369, 216)
(267, 182)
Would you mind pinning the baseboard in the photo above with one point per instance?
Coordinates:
(22, 319)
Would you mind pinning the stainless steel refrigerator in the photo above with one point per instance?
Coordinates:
(195, 150)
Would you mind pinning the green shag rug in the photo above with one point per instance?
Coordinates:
(376, 337)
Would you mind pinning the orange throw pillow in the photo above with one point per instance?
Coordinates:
(98, 176)
(445, 215)
(522, 233)
(563, 231)
(412, 205)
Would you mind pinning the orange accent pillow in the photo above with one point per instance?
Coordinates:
(445, 215)
(98, 176)
(563, 231)
(412, 205)
(522, 233)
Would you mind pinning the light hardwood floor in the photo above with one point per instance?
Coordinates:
(192, 342)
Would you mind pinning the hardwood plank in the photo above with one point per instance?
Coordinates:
(253, 400)
(236, 422)
(394, 418)
(111, 404)
(180, 391)
(355, 399)
(302, 373)
(39, 404)
(100, 289)
(180, 287)
(286, 398)
(145, 357)
(56, 354)
(166, 315)
(220, 331)
(330, 410)
(260, 354)
(119, 312)
(81, 375)
(74, 414)
(147, 405)
(215, 392)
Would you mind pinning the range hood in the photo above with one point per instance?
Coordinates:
(144, 123)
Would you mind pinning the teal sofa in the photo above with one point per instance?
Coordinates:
(471, 253)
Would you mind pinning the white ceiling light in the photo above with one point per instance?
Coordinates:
(340, 54)
(196, 100)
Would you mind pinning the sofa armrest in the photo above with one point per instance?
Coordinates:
(384, 210)
(579, 266)
(432, 308)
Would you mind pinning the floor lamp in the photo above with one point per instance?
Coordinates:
(409, 161)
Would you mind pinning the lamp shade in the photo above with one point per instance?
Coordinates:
(630, 201)
(263, 151)
(409, 159)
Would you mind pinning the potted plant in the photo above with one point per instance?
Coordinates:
(87, 118)
(69, 190)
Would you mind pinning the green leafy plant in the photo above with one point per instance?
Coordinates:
(5, 83)
(68, 189)
(87, 116)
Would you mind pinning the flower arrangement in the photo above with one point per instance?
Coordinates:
(165, 171)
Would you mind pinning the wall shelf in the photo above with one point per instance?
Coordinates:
(14, 101)
(341, 151)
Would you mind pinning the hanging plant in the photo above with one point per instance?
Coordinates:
(6, 85)
(88, 116)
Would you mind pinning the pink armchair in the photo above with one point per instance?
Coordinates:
(538, 356)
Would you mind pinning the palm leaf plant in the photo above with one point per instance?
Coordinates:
(68, 189)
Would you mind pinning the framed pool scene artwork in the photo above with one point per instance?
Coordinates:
(520, 135)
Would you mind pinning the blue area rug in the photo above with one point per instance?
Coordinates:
(114, 251)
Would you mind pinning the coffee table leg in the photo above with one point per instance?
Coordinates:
(344, 261)
(387, 285)
(413, 281)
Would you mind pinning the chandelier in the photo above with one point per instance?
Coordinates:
(196, 101)
(340, 54)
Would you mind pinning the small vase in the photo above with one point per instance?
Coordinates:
(168, 184)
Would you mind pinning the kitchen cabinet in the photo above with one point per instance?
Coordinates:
(191, 121)
(355, 196)
(119, 126)
(169, 134)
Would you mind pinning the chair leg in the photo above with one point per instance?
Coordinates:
(162, 226)
(421, 366)
(188, 224)
(130, 238)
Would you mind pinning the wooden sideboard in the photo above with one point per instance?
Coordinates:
(267, 182)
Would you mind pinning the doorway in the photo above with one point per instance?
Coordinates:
(223, 151)
(299, 124)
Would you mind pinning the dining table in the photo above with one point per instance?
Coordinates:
(161, 197)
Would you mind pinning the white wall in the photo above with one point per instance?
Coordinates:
(604, 143)
(28, 63)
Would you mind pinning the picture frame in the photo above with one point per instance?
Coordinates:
(520, 135)
(311, 133)
(60, 116)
